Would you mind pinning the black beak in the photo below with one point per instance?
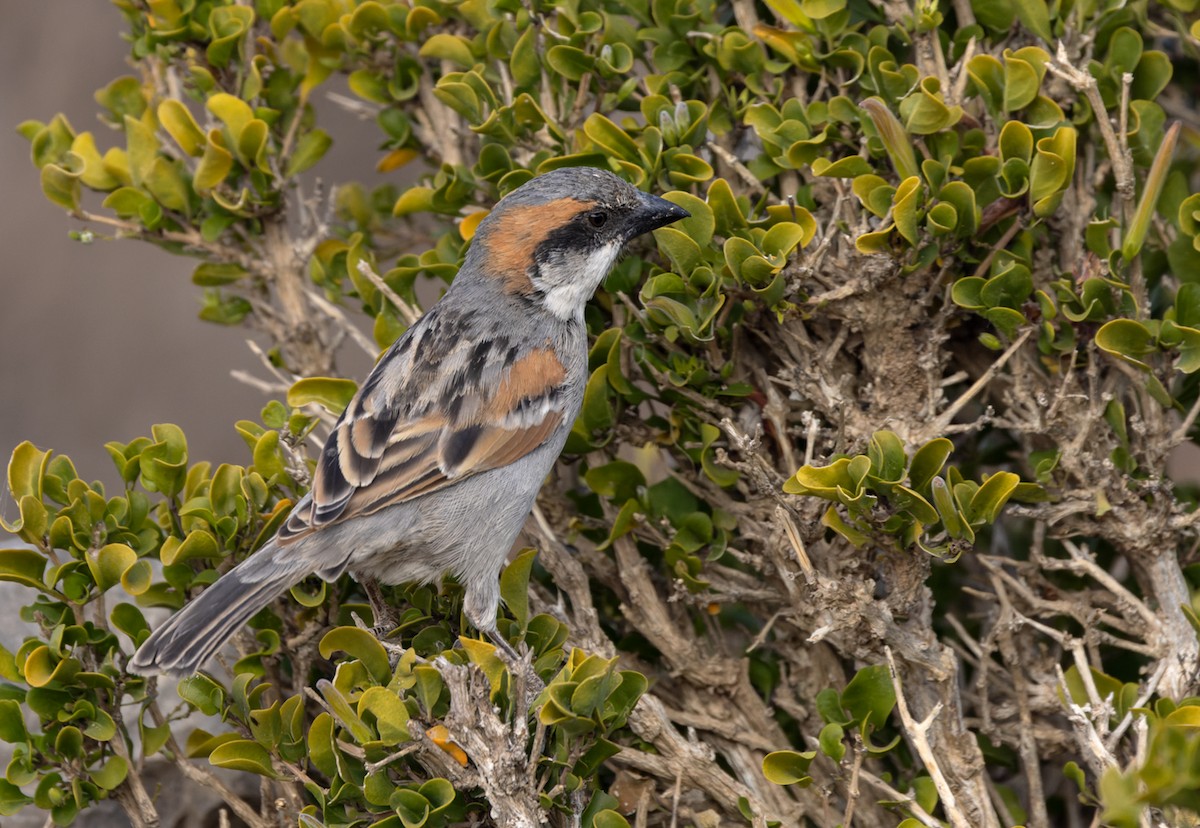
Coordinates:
(652, 213)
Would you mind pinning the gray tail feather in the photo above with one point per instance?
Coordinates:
(189, 638)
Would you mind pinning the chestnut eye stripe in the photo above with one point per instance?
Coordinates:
(517, 234)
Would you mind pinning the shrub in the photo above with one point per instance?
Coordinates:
(866, 518)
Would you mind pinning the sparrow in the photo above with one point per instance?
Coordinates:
(435, 463)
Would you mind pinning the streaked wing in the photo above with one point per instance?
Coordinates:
(438, 408)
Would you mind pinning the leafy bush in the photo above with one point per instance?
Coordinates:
(947, 232)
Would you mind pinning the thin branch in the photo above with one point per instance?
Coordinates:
(353, 331)
(1081, 80)
(944, 419)
(406, 311)
(219, 252)
(918, 733)
(915, 811)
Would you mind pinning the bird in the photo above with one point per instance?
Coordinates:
(436, 461)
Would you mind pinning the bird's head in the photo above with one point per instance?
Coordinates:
(554, 239)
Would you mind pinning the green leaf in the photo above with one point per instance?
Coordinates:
(851, 166)
(330, 393)
(251, 144)
(1126, 339)
(525, 62)
(514, 585)
(830, 740)
(51, 141)
(203, 693)
(343, 711)
(305, 598)
(928, 461)
(68, 742)
(215, 163)
(12, 722)
(42, 668)
(453, 48)
(1016, 142)
(360, 644)
(925, 112)
(267, 461)
(683, 251)
(895, 140)
(142, 147)
(129, 619)
(12, 798)
(822, 481)
(788, 767)
(26, 468)
(617, 481)
(391, 716)
(905, 208)
(109, 563)
(870, 696)
(990, 498)
(483, 655)
(943, 501)
(94, 172)
(569, 61)
(310, 149)
(611, 137)
(60, 186)
(128, 202)
(1052, 170)
(112, 773)
(1034, 16)
(609, 818)
(177, 120)
(414, 200)
(887, 455)
(243, 755)
(199, 545)
(214, 274)
(1135, 235)
(235, 113)
(1123, 804)
(23, 566)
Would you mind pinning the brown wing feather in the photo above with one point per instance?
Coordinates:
(494, 447)
(378, 456)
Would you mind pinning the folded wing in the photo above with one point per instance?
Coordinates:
(424, 420)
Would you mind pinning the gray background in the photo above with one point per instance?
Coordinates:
(101, 341)
(98, 342)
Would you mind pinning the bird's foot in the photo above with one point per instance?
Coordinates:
(519, 662)
(384, 618)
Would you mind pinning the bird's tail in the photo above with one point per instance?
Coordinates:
(189, 638)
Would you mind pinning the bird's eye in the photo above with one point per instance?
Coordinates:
(597, 218)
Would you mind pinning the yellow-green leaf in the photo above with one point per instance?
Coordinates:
(177, 120)
(331, 393)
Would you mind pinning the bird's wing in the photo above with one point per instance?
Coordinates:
(438, 408)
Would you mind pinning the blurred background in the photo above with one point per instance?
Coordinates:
(101, 341)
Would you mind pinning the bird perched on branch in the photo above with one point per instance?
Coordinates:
(434, 465)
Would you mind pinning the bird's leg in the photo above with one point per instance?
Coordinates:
(382, 614)
(510, 655)
(519, 662)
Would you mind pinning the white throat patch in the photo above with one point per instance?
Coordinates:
(571, 290)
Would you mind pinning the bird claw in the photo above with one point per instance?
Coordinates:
(519, 662)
